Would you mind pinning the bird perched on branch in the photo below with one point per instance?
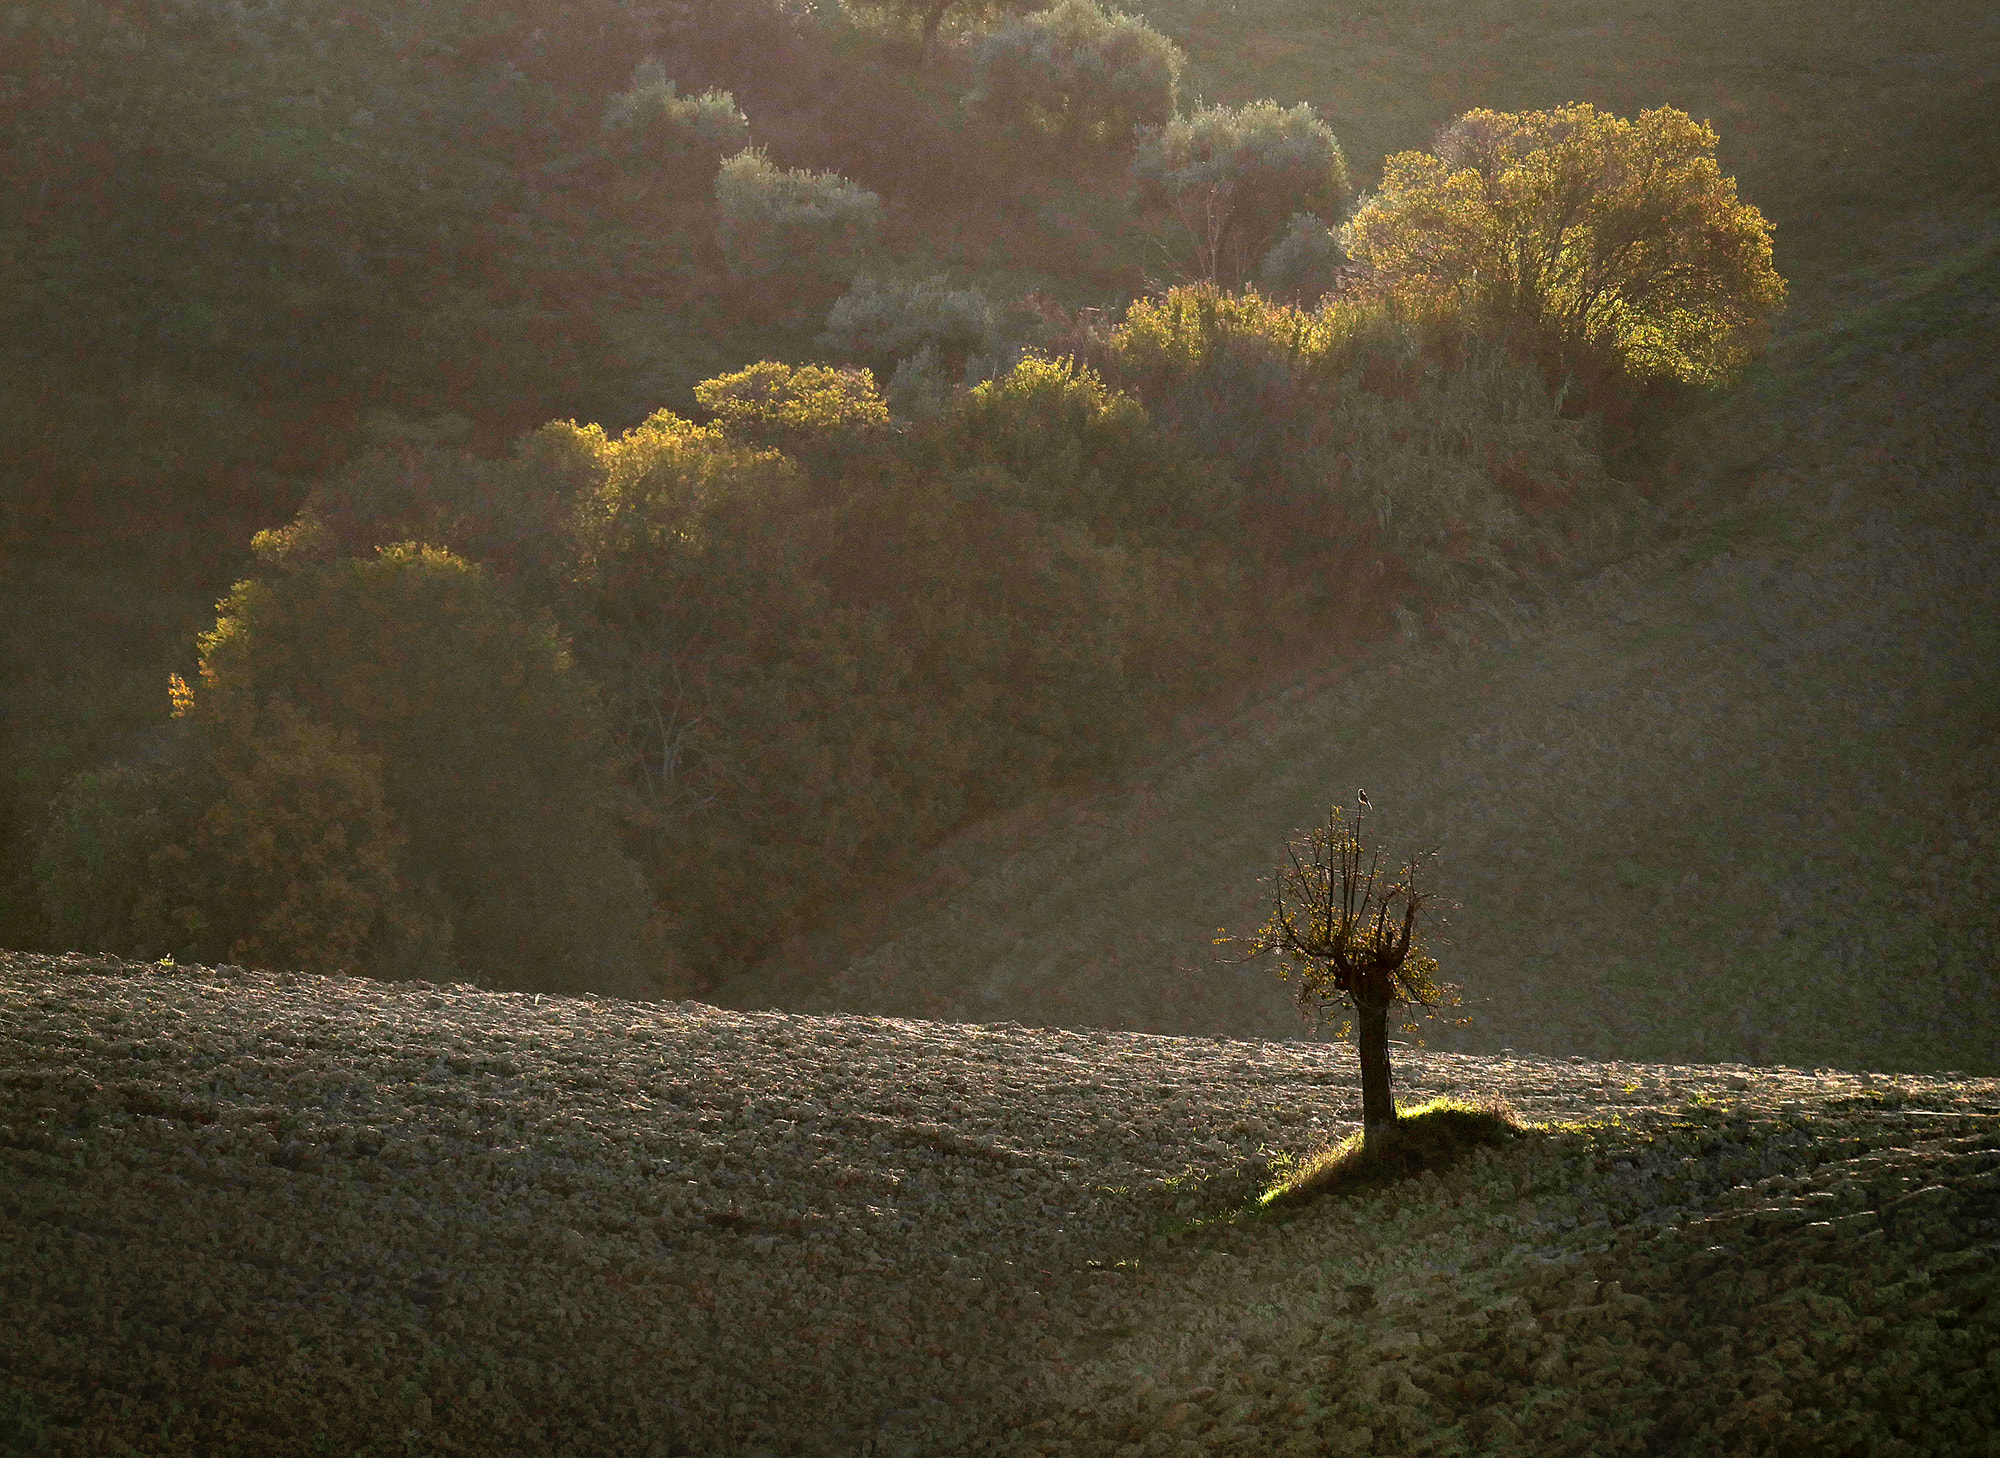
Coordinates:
(1362, 796)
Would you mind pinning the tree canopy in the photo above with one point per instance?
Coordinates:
(1605, 238)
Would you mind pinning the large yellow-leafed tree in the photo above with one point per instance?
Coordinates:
(1610, 242)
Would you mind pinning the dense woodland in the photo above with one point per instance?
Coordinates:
(661, 467)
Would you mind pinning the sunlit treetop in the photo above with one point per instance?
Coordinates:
(1606, 236)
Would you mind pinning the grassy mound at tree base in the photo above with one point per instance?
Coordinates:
(1434, 1135)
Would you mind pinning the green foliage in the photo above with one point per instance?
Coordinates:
(1129, 544)
(927, 19)
(880, 324)
(273, 847)
(23, 1428)
(652, 127)
(1027, 634)
(1303, 266)
(1233, 176)
(1351, 430)
(1228, 374)
(96, 860)
(1075, 78)
(295, 863)
(1602, 240)
(508, 516)
(769, 732)
(1173, 337)
(920, 389)
(493, 757)
(814, 412)
(779, 222)
(1052, 437)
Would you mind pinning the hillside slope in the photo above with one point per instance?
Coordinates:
(289, 1215)
(1737, 797)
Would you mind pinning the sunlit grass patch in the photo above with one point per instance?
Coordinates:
(1432, 1136)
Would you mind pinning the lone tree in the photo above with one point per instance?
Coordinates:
(1344, 935)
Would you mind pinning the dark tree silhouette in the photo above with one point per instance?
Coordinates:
(1343, 935)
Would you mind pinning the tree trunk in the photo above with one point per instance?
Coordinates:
(1378, 1104)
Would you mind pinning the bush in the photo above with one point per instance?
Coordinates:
(778, 222)
(1234, 176)
(925, 19)
(274, 848)
(1020, 631)
(1303, 266)
(97, 863)
(881, 324)
(297, 860)
(1354, 435)
(819, 413)
(685, 138)
(920, 390)
(1605, 246)
(1144, 532)
(1464, 467)
(504, 515)
(1052, 437)
(1227, 374)
(1075, 77)
(494, 760)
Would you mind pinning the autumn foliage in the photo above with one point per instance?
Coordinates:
(1602, 242)
(629, 709)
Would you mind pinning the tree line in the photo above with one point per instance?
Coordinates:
(624, 709)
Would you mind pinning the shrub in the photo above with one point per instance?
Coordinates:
(926, 18)
(1234, 176)
(97, 860)
(650, 127)
(819, 413)
(1303, 266)
(1354, 435)
(1145, 534)
(1075, 77)
(1052, 437)
(1464, 465)
(1227, 374)
(776, 221)
(494, 760)
(920, 390)
(1601, 243)
(1020, 631)
(274, 848)
(297, 859)
(880, 324)
(501, 514)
